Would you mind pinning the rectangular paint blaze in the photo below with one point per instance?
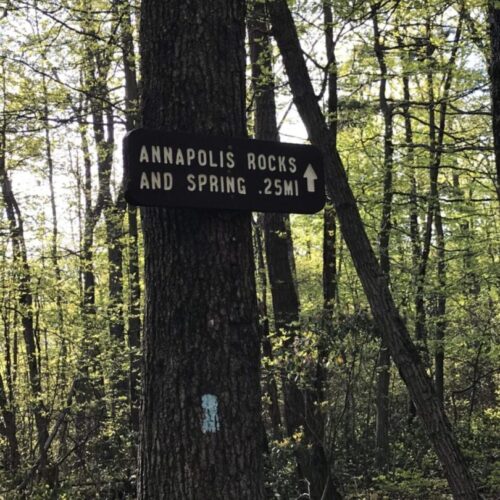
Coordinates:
(210, 405)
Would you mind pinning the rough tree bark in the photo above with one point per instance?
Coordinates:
(201, 430)
(374, 282)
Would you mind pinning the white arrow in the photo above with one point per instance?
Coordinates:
(311, 177)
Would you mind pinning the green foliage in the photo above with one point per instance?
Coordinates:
(55, 63)
(281, 473)
(409, 484)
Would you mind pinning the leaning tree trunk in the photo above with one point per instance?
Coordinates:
(201, 429)
(374, 283)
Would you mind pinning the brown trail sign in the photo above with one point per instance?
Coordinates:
(168, 169)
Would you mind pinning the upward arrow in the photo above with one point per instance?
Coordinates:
(311, 177)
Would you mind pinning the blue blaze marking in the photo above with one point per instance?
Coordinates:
(210, 405)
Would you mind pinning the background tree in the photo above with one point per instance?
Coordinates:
(375, 285)
(439, 87)
(302, 405)
(494, 15)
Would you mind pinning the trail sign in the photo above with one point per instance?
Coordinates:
(189, 170)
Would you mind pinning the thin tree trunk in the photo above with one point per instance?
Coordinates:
(494, 16)
(201, 430)
(413, 205)
(433, 210)
(21, 264)
(267, 350)
(436, 138)
(90, 220)
(97, 64)
(386, 316)
(112, 214)
(329, 222)
(63, 353)
(9, 430)
(329, 266)
(134, 316)
(7, 403)
(418, 277)
(330, 271)
(89, 381)
(436, 148)
(384, 359)
(62, 361)
(302, 408)
(134, 304)
(420, 319)
(440, 307)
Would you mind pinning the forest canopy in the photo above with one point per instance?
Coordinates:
(410, 95)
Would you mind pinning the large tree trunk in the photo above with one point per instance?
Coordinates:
(374, 282)
(201, 430)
